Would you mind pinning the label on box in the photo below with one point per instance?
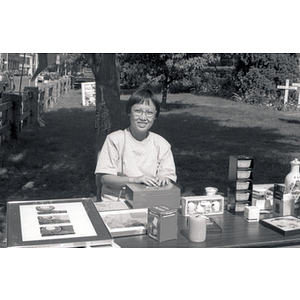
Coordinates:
(278, 191)
(162, 223)
(153, 224)
(283, 203)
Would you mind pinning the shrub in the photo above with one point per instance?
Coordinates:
(214, 83)
(181, 86)
(257, 75)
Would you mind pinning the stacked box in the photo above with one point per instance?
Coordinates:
(240, 186)
(162, 223)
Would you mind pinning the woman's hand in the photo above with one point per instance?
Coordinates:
(147, 180)
(161, 180)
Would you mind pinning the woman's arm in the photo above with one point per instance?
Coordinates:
(166, 171)
(120, 181)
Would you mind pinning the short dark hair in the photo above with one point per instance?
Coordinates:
(143, 96)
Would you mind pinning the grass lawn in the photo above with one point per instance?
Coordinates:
(59, 159)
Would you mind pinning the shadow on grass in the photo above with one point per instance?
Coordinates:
(60, 158)
(174, 106)
(202, 147)
(289, 121)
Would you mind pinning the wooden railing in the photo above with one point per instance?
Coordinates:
(18, 110)
(50, 92)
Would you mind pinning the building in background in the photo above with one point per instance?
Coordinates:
(14, 62)
(29, 63)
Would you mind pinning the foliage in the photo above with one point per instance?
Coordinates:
(212, 83)
(181, 86)
(138, 68)
(257, 75)
(250, 77)
(75, 62)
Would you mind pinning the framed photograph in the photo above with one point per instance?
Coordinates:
(111, 205)
(126, 222)
(287, 225)
(88, 90)
(55, 223)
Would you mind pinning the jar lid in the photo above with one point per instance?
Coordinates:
(295, 161)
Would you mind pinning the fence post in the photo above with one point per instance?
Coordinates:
(16, 115)
(55, 92)
(57, 89)
(34, 91)
(41, 101)
(61, 87)
(7, 115)
(46, 98)
(50, 95)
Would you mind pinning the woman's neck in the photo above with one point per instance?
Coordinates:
(140, 136)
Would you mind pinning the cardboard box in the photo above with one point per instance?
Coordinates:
(142, 196)
(206, 205)
(283, 204)
(162, 223)
(251, 213)
(262, 196)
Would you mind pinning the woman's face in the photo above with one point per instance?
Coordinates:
(142, 116)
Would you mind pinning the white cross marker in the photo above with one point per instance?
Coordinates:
(286, 87)
(298, 86)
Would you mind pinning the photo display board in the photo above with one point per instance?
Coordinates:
(55, 223)
(88, 90)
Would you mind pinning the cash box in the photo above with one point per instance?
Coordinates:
(142, 196)
(162, 223)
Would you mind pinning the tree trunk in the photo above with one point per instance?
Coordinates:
(107, 98)
(164, 93)
(107, 116)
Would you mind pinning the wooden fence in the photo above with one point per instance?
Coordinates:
(18, 110)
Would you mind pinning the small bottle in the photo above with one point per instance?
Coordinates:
(216, 206)
(292, 180)
(199, 208)
(191, 207)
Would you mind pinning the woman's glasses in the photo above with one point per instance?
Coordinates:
(149, 113)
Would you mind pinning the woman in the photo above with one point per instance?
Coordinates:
(135, 155)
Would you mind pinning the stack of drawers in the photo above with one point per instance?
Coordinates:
(240, 184)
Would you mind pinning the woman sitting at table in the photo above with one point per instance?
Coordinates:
(135, 155)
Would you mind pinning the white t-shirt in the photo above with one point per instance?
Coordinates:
(123, 155)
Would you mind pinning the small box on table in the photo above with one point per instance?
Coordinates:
(251, 213)
(284, 203)
(143, 196)
(206, 205)
(162, 223)
(263, 196)
(240, 184)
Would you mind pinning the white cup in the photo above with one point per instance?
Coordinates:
(211, 191)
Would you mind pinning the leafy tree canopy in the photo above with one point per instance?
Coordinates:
(258, 74)
(138, 68)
